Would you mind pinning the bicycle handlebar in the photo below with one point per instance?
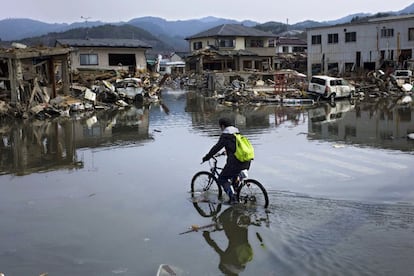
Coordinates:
(217, 155)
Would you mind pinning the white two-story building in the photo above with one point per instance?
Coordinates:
(370, 44)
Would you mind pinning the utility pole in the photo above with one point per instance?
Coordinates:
(86, 24)
(287, 26)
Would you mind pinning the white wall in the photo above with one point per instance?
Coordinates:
(368, 42)
(103, 62)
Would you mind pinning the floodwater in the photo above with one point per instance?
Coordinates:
(108, 193)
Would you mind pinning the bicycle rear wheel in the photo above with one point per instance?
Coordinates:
(204, 187)
(252, 193)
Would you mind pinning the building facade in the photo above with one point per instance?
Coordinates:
(382, 43)
(90, 54)
(231, 47)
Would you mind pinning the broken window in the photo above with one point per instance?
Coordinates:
(349, 67)
(121, 59)
(88, 59)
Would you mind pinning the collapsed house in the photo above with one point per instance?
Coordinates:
(76, 75)
(22, 68)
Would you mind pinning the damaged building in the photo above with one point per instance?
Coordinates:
(107, 54)
(22, 69)
(230, 47)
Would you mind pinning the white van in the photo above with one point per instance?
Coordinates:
(328, 113)
(403, 76)
(330, 87)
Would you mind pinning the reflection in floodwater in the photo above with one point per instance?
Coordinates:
(235, 221)
(254, 119)
(333, 211)
(36, 146)
(379, 124)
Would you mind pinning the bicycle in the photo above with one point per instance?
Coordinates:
(248, 191)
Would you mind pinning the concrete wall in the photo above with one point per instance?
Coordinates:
(103, 60)
(369, 43)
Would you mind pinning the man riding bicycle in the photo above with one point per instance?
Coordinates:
(233, 166)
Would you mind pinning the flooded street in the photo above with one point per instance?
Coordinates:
(108, 193)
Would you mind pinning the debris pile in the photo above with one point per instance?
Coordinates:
(377, 85)
(289, 87)
(239, 88)
(103, 90)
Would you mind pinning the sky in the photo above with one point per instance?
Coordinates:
(290, 11)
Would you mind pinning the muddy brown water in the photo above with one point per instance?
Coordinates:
(108, 193)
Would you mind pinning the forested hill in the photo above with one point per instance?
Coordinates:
(105, 31)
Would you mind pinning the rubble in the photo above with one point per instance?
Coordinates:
(46, 87)
(377, 85)
(89, 93)
(237, 88)
(38, 82)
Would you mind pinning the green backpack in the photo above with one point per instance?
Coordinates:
(244, 149)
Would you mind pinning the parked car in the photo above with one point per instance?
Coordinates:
(330, 87)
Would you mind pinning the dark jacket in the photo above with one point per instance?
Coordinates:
(227, 140)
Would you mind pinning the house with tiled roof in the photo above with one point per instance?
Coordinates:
(231, 47)
(92, 54)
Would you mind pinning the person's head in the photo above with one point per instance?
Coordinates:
(225, 122)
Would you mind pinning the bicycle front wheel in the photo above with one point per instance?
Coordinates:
(204, 187)
(252, 193)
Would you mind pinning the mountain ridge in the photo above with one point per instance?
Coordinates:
(173, 31)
